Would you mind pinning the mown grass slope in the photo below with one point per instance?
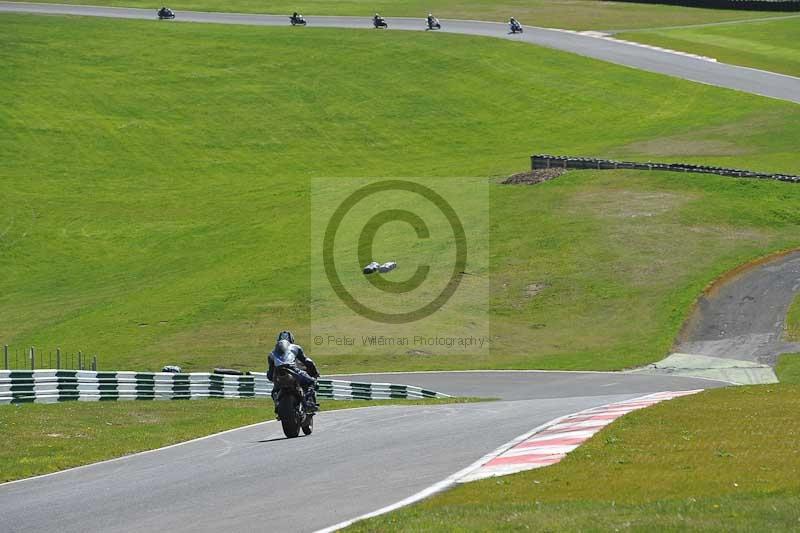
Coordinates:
(788, 368)
(793, 321)
(572, 14)
(154, 186)
(723, 460)
(769, 45)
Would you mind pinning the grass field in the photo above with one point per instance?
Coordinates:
(155, 187)
(723, 460)
(571, 14)
(38, 439)
(769, 45)
(788, 368)
(793, 321)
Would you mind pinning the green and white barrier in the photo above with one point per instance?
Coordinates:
(49, 386)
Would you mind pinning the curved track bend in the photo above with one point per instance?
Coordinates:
(357, 461)
(720, 74)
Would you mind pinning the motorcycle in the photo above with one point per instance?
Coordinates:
(516, 27)
(297, 21)
(380, 23)
(165, 13)
(290, 403)
(433, 24)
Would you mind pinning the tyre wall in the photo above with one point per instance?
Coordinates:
(543, 161)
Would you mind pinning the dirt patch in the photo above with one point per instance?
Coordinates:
(533, 177)
(534, 289)
(627, 204)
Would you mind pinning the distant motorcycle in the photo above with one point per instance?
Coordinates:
(297, 21)
(165, 13)
(516, 27)
(289, 402)
(380, 23)
(433, 23)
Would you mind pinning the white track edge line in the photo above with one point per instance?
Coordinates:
(144, 452)
(453, 479)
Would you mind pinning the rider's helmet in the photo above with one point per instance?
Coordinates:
(430, 15)
(285, 336)
(281, 351)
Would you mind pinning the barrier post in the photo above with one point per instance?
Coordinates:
(94, 363)
(58, 358)
(5, 356)
(33, 358)
(80, 360)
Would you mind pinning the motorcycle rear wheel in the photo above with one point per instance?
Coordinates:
(287, 410)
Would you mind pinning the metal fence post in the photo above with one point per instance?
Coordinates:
(94, 363)
(58, 358)
(33, 358)
(5, 356)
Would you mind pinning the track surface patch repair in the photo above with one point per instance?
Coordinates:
(549, 444)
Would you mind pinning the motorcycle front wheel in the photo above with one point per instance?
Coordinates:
(308, 427)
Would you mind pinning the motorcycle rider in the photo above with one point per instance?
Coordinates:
(296, 17)
(377, 20)
(515, 25)
(432, 20)
(163, 12)
(306, 378)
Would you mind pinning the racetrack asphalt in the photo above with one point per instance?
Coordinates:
(356, 461)
(252, 479)
(720, 74)
(743, 317)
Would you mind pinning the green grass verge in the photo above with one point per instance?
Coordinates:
(788, 368)
(770, 45)
(572, 14)
(724, 460)
(793, 321)
(145, 200)
(38, 439)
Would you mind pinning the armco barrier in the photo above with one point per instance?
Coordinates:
(542, 161)
(49, 386)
